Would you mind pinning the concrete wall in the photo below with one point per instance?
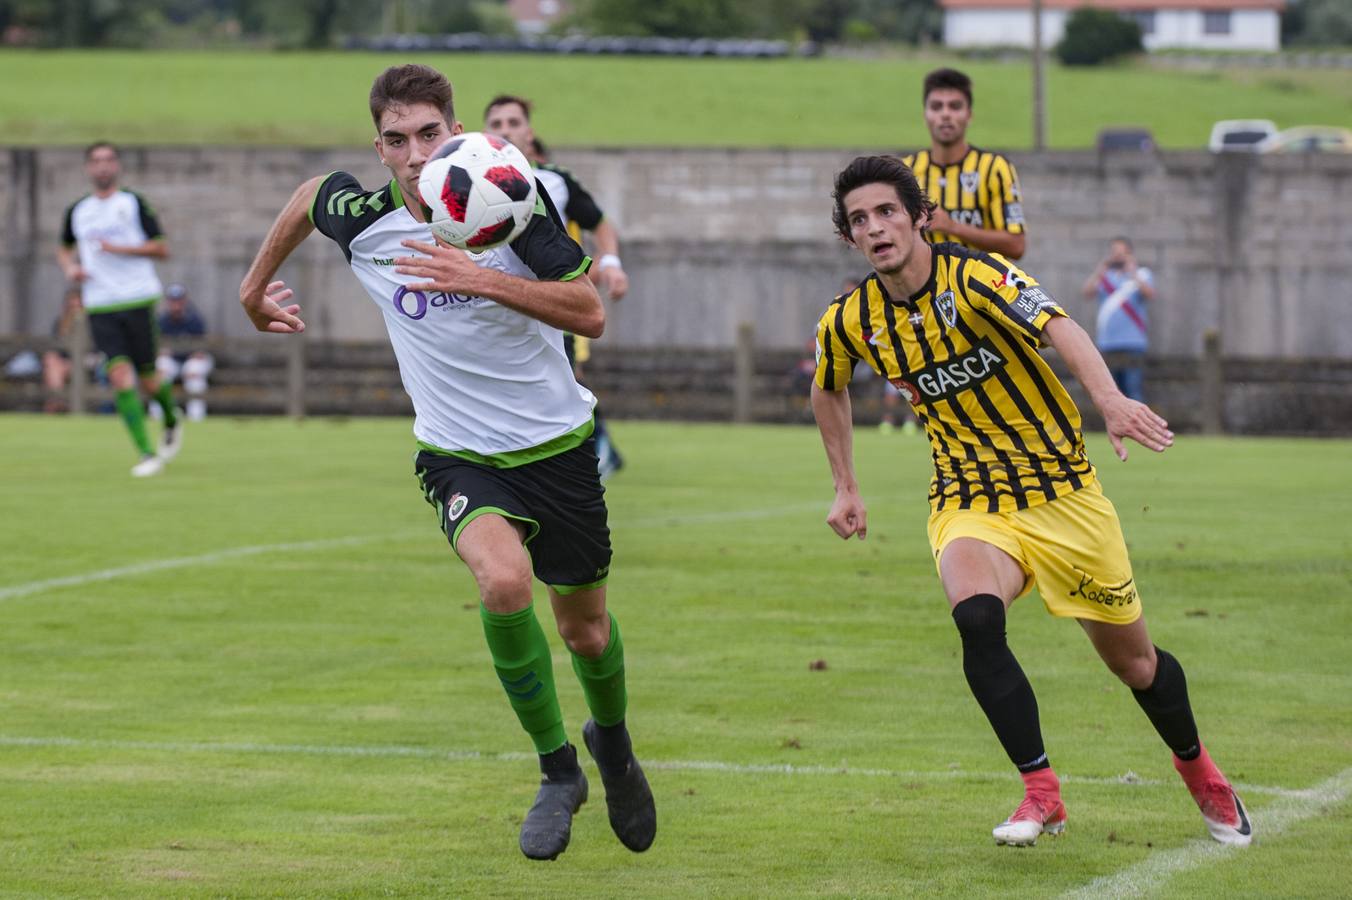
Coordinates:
(1257, 247)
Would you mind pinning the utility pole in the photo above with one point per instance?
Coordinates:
(1039, 89)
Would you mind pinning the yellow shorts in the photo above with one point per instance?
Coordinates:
(1071, 548)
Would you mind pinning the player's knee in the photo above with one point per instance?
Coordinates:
(980, 617)
(586, 637)
(504, 588)
(1136, 672)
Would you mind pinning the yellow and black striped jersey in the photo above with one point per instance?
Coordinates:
(982, 191)
(1003, 432)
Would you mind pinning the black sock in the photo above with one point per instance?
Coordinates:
(997, 681)
(1166, 705)
(613, 749)
(560, 764)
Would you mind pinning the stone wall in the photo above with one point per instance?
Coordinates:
(1256, 248)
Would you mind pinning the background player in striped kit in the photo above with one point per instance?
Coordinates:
(976, 192)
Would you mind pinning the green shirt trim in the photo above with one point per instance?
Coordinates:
(126, 304)
(513, 458)
(586, 262)
(397, 194)
(310, 210)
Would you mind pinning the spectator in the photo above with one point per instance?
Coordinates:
(180, 320)
(1122, 288)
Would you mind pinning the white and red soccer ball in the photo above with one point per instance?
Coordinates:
(481, 191)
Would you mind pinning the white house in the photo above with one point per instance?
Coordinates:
(1199, 24)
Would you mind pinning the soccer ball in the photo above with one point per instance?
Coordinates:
(481, 191)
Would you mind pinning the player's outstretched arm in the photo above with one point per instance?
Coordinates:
(1122, 416)
(848, 516)
(571, 305)
(262, 297)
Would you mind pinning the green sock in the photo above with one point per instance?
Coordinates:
(134, 415)
(603, 680)
(165, 398)
(521, 657)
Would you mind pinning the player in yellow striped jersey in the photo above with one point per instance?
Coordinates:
(1014, 500)
(975, 192)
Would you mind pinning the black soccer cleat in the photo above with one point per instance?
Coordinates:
(549, 823)
(629, 800)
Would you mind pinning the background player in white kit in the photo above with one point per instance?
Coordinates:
(504, 430)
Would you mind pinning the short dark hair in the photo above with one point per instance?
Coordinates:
(951, 79)
(99, 145)
(879, 170)
(1123, 239)
(504, 99)
(413, 83)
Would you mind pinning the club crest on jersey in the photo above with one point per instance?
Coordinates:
(948, 308)
(906, 388)
(969, 181)
(456, 508)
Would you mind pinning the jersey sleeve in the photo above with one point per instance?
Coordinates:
(68, 227)
(545, 246)
(150, 221)
(1011, 296)
(341, 209)
(835, 354)
(1006, 200)
(581, 207)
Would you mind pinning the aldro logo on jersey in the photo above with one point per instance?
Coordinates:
(947, 379)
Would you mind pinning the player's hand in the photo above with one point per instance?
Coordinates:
(444, 268)
(1126, 418)
(77, 275)
(109, 247)
(614, 282)
(940, 220)
(267, 313)
(848, 516)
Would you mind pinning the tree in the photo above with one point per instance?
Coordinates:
(1093, 36)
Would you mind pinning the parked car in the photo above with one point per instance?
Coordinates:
(1127, 139)
(1240, 134)
(1308, 139)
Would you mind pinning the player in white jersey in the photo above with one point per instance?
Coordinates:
(109, 241)
(506, 454)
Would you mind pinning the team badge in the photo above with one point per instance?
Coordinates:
(906, 388)
(969, 181)
(947, 307)
(457, 507)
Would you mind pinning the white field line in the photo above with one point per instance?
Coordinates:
(160, 565)
(432, 753)
(1151, 873)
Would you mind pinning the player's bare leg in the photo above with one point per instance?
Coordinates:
(1157, 681)
(593, 637)
(492, 548)
(981, 580)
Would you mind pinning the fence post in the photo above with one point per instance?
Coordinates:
(77, 345)
(1212, 383)
(295, 376)
(744, 372)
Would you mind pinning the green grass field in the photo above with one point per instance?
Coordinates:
(319, 99)
(262, 674)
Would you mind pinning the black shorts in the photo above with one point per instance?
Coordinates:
(126, 334)
(559, 499)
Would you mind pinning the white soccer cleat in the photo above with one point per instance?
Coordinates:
(149, 465)
(172, 440)
(1035, 817)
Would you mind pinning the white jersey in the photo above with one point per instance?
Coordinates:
(115, 280)
(486, 381)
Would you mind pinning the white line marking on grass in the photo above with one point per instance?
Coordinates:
(397, 751)
(34, 587)
(1153, 871)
